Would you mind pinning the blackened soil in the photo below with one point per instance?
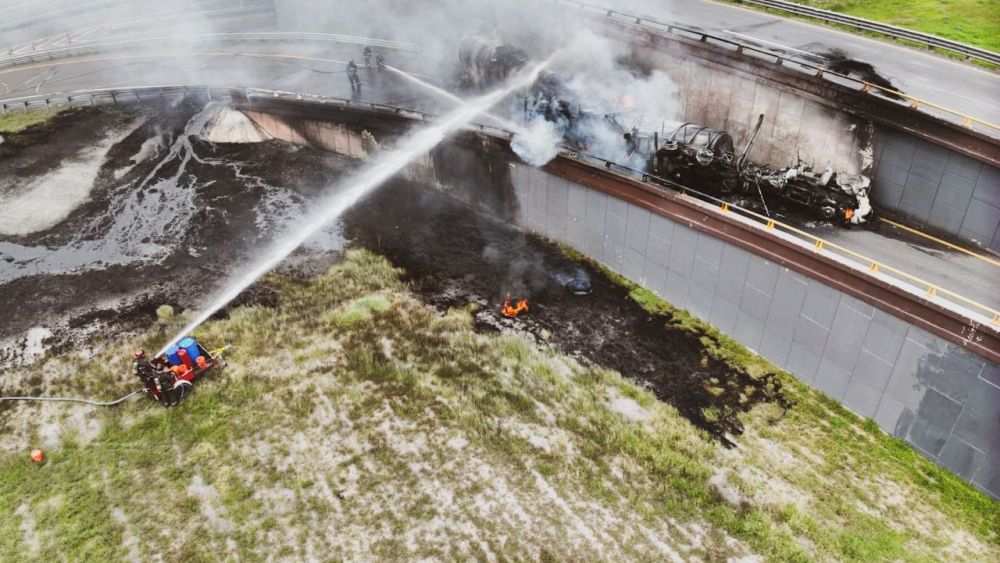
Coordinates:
(231, 183)
(454, 256)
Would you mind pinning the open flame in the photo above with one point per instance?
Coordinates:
(511, 311)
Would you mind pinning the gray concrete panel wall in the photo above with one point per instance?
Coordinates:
(936, 396)
(937, 187)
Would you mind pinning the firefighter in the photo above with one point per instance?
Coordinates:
(159, 382)
(143, 369)
(164, 383)
(352, 76)
(380, 62)
(367, 52)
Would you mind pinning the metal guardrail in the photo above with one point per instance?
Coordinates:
(925, 39)
(99, 48)
(124, 95)
(786, 61)
(738, 47)
(863, 265)
(874, 267)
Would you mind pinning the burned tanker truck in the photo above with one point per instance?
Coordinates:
(675, 155)
(706, 160)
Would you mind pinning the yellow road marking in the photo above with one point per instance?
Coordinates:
(982, 257)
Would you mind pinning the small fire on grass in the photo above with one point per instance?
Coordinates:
(511, 311)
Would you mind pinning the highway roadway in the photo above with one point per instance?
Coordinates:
(320, 70)
(955, 84)
(291, 67)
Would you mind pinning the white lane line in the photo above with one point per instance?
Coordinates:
(32, 79)
(38, 89)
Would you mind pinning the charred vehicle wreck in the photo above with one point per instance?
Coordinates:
(675, 155)
(706, 160)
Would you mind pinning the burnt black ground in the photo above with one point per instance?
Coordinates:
(454, 256)
(223, 232)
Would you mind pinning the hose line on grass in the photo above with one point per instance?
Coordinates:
(75, 400)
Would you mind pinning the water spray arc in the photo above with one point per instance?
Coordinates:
(505, 123)
(536, 144)
(384, 167)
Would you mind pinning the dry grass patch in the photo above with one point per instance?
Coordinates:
(356, 422)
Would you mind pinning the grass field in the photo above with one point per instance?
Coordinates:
(976, 22)
(355, 422)
(17, 120)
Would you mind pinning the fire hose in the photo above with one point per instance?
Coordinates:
(217, 353)
(76, 400)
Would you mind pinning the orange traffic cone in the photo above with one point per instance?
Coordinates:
(37, 456)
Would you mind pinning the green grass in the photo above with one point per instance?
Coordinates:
(354, 413)
(15, 120)
(827, 421)
(975, 22)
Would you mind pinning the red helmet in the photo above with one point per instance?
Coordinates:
(140, 353)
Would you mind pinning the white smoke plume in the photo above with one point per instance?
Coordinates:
(538, 142)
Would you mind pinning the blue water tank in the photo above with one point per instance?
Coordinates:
(172, 357)
(192, 348)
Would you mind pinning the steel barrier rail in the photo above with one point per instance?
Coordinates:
(926, 39)
(784, 60)
(864, 265)
(146, 93)
(886, 94)
(873, 266)
(99, 48)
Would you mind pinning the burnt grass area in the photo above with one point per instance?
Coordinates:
(454, 256)
(230, 183)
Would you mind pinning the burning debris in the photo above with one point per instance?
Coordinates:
(555, 116)
(512, 311)
(577, 283)
(706, 159)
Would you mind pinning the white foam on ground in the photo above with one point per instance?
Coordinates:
(30, 346)
(233, 126)
(46, 201)
(149, 148)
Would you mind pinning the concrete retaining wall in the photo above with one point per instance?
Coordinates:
(934, 186)
(328, 136)
(936, 395)
(940, 398)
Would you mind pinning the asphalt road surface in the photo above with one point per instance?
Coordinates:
(948, 82)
